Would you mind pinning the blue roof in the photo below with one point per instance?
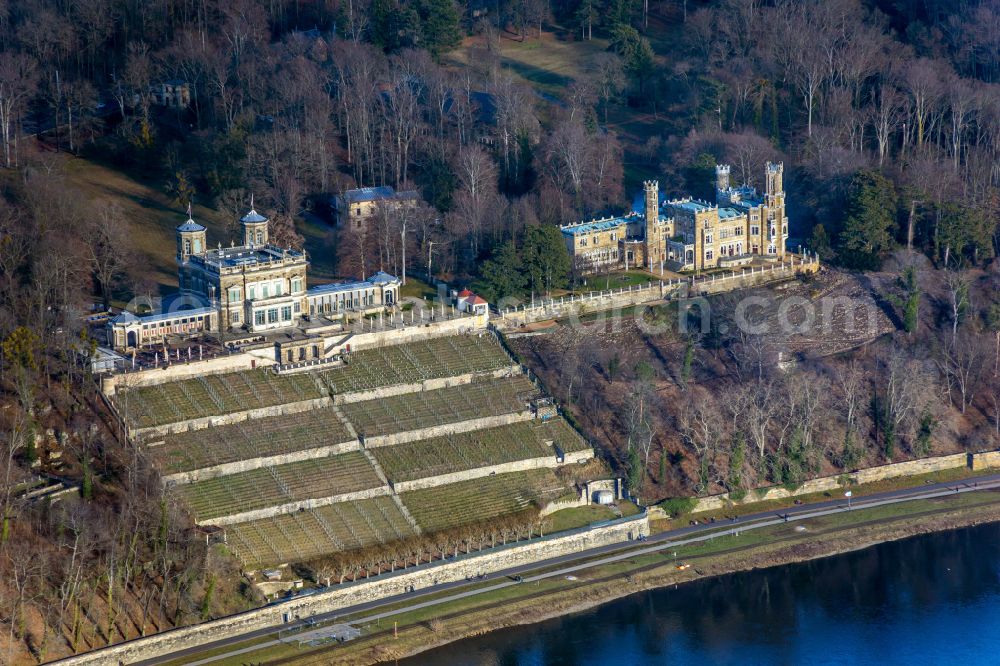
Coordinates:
(125, 317)
(334, 287)
(382, 278)
(747, 204)
(190, 225)
(175, 314)
(693, 206)
(252, 217)
(596, 225)
(129, 318)
(369, 194)
(726, 213)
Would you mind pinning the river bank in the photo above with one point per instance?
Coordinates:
(928, 599)
(426, 628)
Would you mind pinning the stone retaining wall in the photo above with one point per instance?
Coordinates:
(446, 429)
(380, 587)
(504, 468)
(416, 484)
(148, 434)
(246, 360)
(552, 507)
(598, 301)
(418, 331)
(263, 461)
(232, 417)
(828, 483)
(292, 507)
(983, 460)
(264, 356)
(426, 385)
(317, 403)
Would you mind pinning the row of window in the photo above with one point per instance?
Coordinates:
(289, 355)
(733, 250)
(737, 231)
(175, 327)
(175, 322)
(597, 239)
(609, 254)
(336, 306)
(345, 300)
(265, 290)
(271, 315)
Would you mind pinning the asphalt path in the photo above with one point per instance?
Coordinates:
(611, 553)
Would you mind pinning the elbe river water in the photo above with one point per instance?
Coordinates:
(932, 599)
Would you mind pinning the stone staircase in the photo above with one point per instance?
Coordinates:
(338, 345)
(395, 497)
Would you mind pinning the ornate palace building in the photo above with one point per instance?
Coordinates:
(251, 288)
(688, 234)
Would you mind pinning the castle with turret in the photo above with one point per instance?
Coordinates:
(688, 234)
(244, 290)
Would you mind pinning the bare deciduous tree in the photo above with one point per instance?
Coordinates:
(109, 247)
(18, 83)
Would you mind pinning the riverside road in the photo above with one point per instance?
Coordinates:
(594, 557)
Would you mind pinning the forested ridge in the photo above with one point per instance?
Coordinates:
(886, 114)
(299, 101)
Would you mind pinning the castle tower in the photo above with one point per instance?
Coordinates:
(254, 227)
(721, 177)
(774, 173)
(774, 200)
(190, 239)
(653, 237)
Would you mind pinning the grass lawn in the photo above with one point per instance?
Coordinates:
(549, 65)
(417, 289)
(568, 519)
(320, 246)
(615, 281)
(153, 217)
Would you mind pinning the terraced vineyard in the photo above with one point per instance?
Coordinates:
(268, 436)
(461, 451)
(351, 525)
(479, 499)
(561, 434)
(416, 361)
(271, 486)
(210, 395)
(303, 535)
(412, 411)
